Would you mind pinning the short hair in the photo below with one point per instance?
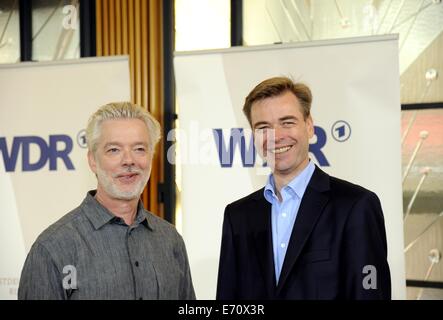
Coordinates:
(276, 86)
(121, 110)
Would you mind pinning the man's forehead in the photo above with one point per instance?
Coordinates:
(276, 111)
(126, 124)
(121, 121)
(121, 142)
(121, 130)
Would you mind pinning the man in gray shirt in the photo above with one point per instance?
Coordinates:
(110, 247)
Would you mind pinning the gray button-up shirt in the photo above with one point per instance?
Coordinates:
(92, 254)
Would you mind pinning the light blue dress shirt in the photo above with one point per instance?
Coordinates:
(285, 212)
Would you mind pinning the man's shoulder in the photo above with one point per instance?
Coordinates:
(349, 190)
(61, 229)
(160, 224)
(248, 200)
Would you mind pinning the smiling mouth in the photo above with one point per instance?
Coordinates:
(280, 150)
(127, 177)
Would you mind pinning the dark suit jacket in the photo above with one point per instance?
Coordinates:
(338, 231)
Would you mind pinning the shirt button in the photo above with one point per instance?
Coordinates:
(136, 263)
(284, 214)
(283, 245)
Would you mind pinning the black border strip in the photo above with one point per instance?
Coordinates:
(167, 189)
(236, 23)
(424, 284)
(87, 29)
(25, 17)
(418, 106)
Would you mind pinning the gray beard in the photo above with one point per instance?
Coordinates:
(112, 190)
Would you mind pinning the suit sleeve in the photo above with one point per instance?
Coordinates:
(367, 274)
(227, 270)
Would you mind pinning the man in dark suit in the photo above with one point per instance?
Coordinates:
(305, 235)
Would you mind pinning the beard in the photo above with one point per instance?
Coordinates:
(113, 190)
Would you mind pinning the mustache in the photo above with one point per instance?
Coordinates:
(129, 169)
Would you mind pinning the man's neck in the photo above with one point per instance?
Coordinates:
(282, 179)
(124, 209)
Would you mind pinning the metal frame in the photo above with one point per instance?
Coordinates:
(422, 106)
(25, 14)
(236, 23)
(424, 284)
(87, 29)
(167, 192)
(411, 282)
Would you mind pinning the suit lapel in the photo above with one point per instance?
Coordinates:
(311, 207)
(260, 221)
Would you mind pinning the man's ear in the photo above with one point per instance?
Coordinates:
(92, 162)
(310, 126)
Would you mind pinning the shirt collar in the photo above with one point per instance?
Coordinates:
(296, 187)
(269, 192)
(99, 215)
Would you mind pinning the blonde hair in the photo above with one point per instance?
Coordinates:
(121, 110)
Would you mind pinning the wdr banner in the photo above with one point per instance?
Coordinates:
(356, 112)
(44, 109)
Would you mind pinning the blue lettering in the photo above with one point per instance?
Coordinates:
(226, 155)
(315, 148)
(10, 160)
(26, 142)
(62, 154)
(48, 153)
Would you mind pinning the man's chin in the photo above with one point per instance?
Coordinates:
(282, 168)
(126, 195)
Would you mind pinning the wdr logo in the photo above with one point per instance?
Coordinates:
(237, 137)
(58, 147)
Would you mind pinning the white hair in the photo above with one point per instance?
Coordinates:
(121, 110)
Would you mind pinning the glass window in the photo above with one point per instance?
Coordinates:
(422, 162)
(418, 23)
(202, 24)
(55, 26)
(420, 27)
(9, 32)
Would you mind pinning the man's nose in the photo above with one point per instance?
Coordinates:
(128, 158)
(276, 134)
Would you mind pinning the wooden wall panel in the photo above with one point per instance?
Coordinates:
(134, 27)
(155, 76)
(118, 28)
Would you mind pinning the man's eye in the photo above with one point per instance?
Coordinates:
(112, 150)
(141, 149)
(288, 123)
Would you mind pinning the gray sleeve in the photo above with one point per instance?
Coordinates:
(40, 278)
(186, 287)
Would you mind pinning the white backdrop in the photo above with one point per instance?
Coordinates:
(43, 109)
(356, 109)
